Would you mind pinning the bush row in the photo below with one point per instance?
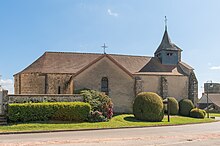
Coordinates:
(148, 106)
(187, 108)
(64, 111)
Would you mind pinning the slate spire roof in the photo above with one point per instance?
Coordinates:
(166, 44)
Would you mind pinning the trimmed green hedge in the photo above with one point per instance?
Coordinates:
(185, 106)
(148, 106)
(197, 113)
(64, 111)
(174, 106)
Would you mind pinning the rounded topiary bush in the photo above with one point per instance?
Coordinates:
(204, 112)
(197, 113)
(185, 106)
(174, 106)
(148, 106)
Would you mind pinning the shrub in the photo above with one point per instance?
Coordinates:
(204, 112)
(148, 106)
(197, 113)
(185, 106)
(174, 106)
(78, 91)
(97, 116)
(67, 111)
(99, 102)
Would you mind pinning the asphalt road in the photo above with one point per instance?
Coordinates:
(196, 135)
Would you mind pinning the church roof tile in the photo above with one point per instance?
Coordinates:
(66, 62)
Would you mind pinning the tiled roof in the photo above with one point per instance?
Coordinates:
(66, 62)
(213, 98)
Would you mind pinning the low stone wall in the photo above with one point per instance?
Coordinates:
(43, 98)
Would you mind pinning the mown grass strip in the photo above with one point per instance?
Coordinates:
(119, 121)
(214, 115)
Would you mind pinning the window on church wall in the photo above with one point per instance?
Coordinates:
(104, 85)
(59, 90)
(169, 54)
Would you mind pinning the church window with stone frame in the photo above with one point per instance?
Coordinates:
(104, 85)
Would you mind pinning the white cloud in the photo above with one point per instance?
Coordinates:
(7, 84)
(215, 68)
(112, 13)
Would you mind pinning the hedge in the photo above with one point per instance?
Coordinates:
(185, 106)
(64, 111)
(148, 106)
(174, 106)
(197, 113)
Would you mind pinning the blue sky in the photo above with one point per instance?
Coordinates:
(28, 28)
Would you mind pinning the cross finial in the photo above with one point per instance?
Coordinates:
(104, 47)
(165, 22)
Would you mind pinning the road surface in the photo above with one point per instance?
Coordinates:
(195, 135)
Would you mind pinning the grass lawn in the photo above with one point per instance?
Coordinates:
(125, 120)
(214, 114)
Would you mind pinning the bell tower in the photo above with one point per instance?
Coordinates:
(167, 52)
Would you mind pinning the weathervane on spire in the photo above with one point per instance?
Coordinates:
(165, 22)
(104, 47)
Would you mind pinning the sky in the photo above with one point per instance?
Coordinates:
(28, 28)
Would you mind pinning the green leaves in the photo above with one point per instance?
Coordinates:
(99, 103)
(185, 106)
(63, 111)
(148, 106)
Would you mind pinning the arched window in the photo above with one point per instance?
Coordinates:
(104, 85)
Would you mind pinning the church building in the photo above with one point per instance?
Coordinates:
(122, 77)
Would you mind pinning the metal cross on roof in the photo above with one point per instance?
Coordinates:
(165, 22)
(104, 47)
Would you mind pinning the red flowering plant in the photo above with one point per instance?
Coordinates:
(102, 106)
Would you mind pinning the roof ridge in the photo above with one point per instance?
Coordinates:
(72, 52)
(97, 54)
(130, 55)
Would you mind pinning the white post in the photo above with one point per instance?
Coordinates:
(1, 101)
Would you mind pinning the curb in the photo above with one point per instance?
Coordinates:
(94, 129)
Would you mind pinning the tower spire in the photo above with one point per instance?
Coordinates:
(165, 23)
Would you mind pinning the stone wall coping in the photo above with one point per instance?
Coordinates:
(44, 95)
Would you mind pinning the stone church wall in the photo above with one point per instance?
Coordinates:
(121, 85)
(56, 80)
(16, 84)
(44, 98)
(36, 83)
(32, 83)
(150, 83)
(177, 85)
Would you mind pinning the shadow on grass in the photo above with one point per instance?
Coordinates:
(131, 119)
